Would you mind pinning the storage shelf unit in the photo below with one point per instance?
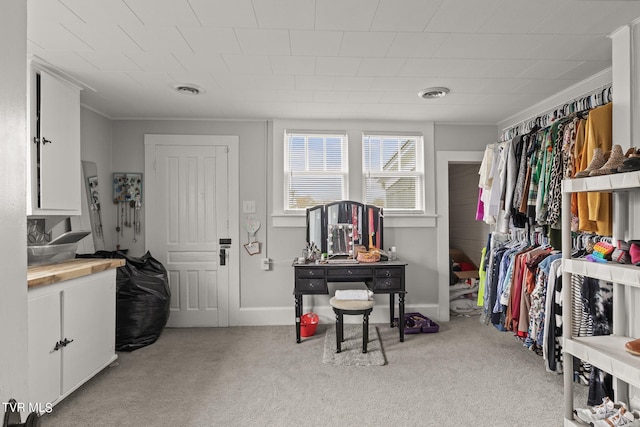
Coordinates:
(605, 352)
(624, 274)
(604, 183)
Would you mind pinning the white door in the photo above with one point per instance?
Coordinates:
(187, 215)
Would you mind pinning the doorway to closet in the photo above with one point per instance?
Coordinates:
(456, 168)
(465, 232)
(466, 235)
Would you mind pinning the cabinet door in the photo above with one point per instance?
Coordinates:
(60, 157)
(44, 360)
(88, 318)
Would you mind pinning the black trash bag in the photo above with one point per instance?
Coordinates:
(143, 299)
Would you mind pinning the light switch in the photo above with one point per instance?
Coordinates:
(249, 206)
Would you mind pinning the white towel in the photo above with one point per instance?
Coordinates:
(354, 294)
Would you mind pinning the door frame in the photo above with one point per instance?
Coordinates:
(232, 142)
(443, 160)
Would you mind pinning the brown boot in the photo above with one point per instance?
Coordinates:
(597, 162)
(611, 166)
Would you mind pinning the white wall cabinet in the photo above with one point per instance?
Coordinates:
(54, 177)
(71, 334)
(605, 352)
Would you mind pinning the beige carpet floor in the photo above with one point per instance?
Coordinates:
(467, 374)
(351, 348)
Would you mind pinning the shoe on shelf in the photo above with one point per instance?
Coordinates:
(597, 161)
(633, 347)
(633, 152)
(631, 164)
(599, 412)
(634, 253)
(616, 158)
(623, 417)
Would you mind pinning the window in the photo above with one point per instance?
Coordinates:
(315, 169)
(393, 172)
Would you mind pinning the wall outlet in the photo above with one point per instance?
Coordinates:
(265, 264)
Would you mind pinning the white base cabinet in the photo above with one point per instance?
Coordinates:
(71, 334)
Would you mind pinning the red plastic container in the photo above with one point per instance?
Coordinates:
(308, 324)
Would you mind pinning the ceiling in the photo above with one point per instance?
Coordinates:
(324, 59)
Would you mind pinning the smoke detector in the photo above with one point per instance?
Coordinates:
(188, 89)
(433, 92)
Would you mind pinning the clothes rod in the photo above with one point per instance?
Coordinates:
(592, 99)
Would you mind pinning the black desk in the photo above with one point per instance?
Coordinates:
(385, 277)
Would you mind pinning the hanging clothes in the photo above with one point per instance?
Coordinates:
(594, 209)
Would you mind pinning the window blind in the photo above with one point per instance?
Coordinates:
(393, 172)
(316, 170)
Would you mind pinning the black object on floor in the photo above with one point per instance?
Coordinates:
(12, 416)
(143, 299)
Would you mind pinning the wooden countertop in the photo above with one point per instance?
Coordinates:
(39, 275)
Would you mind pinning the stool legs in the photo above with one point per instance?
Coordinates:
(365, 332)
(339, 332)
(340, 327)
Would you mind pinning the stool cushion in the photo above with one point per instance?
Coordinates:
(347, 304)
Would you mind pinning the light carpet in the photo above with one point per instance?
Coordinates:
(468, 374)
(351, 350)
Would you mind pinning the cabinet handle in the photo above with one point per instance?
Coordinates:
(45, 140)
(58, 346)
(66, 342)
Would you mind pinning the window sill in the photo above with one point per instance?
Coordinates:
(396, 221)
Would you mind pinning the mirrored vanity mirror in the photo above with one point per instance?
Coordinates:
(340, 239)
(90, 173)
(338, 227)
(315, 226)
(375, 228)
(345, 212)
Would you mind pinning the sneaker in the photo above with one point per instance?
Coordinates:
(599, 412)
(622, 418)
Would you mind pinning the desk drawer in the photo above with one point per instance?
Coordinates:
(346, 272)
(387, 284)
(310, 272)
(317, 286)
(389, 272)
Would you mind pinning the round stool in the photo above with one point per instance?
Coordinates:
(351, 307)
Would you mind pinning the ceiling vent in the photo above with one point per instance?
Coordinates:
(188, 89)
(433, 92)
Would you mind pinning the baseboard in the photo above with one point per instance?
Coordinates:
(266, 316)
